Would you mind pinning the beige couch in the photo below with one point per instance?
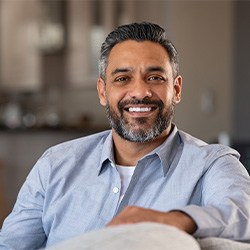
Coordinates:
(146, 236)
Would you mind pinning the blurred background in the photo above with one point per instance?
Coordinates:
(48, 71)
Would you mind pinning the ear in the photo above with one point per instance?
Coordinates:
(177, 89)
(101, 91)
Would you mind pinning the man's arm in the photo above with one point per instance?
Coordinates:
(132, 214)
(222, 212)
(23, 228)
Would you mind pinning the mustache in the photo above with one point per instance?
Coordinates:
(144, 101)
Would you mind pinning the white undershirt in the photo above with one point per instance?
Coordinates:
(126, 175)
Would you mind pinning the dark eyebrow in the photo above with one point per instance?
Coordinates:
(156, 68)
(120, 70)
(149, 69)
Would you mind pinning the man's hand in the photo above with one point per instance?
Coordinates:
(132, 214)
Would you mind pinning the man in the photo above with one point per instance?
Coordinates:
(143, 170)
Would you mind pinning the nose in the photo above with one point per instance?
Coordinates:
(140, 89)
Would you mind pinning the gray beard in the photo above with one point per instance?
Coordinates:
(125, 130)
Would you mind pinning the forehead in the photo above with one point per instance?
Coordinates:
(138, 55)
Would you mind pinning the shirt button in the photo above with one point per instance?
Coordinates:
(115, 190)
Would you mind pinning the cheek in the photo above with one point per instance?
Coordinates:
(113, 100)
(166, 95)
(114, 96)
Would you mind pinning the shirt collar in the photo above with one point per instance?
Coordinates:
(107, 154)
(170, 149)
(166, 151)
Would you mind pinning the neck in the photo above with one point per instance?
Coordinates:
(128, 153)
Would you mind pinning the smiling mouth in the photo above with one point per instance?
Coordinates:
(139, 109)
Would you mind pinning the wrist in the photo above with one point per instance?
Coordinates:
(180, 220)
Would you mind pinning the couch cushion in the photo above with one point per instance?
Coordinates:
(213, 243)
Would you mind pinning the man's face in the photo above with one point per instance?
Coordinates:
(139, 90)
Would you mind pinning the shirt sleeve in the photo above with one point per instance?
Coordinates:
(225, 201)
(23, 228)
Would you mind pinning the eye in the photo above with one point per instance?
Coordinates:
(156, 79)
(121, 79)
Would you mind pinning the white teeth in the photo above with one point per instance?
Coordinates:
(139, 109)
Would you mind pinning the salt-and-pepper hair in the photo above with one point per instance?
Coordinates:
(140, 32)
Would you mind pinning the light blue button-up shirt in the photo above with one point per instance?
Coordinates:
(74, 188)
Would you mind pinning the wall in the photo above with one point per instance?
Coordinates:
(241, 90)
(205, 44)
